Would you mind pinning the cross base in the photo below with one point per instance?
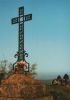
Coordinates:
(21, 67)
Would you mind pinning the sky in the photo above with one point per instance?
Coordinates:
(47, 35)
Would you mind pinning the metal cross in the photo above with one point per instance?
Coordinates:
(20, 20)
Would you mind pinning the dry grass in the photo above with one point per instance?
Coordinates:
(21, 86)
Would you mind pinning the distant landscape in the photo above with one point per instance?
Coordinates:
(49, 76)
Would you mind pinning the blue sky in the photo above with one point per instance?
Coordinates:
(47, 36)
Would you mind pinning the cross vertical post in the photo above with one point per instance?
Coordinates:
(21, 35)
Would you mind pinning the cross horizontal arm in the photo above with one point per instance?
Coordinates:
(28, 17)
(15, 20)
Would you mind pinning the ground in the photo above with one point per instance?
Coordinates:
(59, 92)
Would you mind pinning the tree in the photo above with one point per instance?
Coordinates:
(5, 66)
(66, 78)
(59, 78)
(33, 70)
